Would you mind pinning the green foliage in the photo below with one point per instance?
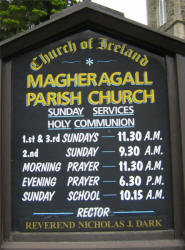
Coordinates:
(40, 13)
(10, 22)
(19, 15)
(13, 7)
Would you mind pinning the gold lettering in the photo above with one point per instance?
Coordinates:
(158, 223)
(34, 65)
(128, 79)
(28, 225)
(31, 82)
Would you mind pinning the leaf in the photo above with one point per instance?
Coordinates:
(40, 13)
(11, 22)
(13, 7)
(60, 4)
(4, 12)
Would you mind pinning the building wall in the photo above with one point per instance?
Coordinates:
(175, 11)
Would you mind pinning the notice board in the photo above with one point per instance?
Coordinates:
(90, 144)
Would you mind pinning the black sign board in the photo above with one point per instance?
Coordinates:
(91, 149)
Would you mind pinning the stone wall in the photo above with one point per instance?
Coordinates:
(175, 17)
(152, 13)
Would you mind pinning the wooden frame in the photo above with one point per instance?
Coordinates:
(88, 16)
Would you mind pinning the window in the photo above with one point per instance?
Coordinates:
(162, 12)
